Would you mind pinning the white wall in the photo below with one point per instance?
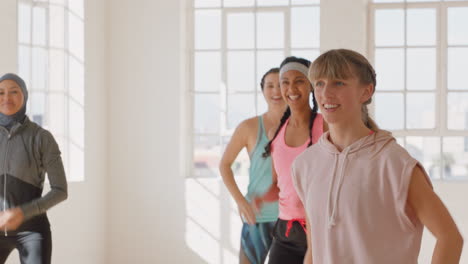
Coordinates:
(343, 24)
(146, 185)
(9, 36)
(78, 224)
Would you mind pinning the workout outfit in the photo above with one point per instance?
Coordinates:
(256, 239)
(290, 242)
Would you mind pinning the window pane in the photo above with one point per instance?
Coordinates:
(24, 23)
(420, 110)
(240, 168)
(457, 68)
(207, 71)
(240, 29)
(57, 70)
(400, 141)
(265, 61)
(389, 27)
(37, 107)
(310, 54)
(207, 153)
(304, 2)
(24, 64)
(305, 27)
(240, 70)
(39, 26)
(207, 113)
(77, 7)
(76, 80)
(39, 62)
(76, 36)
(457, 111)
(60, 2)
(427, 151)
(57, 113)
(234, 3)
(207, 3)
(389, 110)
(421, 72)
(56, 26)
(272, 2)
(421, 27)
(270, 30)
(76, 123)
(207, 29)
(457, 23)
(240, 107)
(389, 65)
(455, 157)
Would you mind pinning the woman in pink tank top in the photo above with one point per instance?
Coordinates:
(366, 198)
(300, 127)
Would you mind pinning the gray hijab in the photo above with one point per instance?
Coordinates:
(9, 120)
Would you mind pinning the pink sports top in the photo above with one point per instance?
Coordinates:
(290, 206)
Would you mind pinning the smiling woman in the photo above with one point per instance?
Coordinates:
(252, 134)
(11, 98)
(30, 152)
(358, 178)
(299, 128)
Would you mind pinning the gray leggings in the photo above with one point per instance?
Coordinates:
(33, 247)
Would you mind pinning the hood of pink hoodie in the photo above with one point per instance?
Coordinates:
(366, 148)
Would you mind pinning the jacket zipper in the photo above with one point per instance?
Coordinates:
(5, 178)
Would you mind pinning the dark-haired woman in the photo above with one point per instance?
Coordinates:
(300, 127)
(27, 153)
(251, 134)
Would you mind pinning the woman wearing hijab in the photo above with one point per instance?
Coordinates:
(27, 153)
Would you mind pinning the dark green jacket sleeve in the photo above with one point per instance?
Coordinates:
(51, 162)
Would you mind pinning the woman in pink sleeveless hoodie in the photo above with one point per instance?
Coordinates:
(366, 198)
(300, 127)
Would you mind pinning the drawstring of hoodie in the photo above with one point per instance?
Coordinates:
(330, 189)
(334, 205)
(5, 179)
(332, 218)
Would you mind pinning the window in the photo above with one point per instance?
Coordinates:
(234, 43)
(420, 52)
(51, 61)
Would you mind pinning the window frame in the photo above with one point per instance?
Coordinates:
(224, 132)
(66, 93)
(441, 91)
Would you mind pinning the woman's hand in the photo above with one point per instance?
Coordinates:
(246, 212)
(11, 219)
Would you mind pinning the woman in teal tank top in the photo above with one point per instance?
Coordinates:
(252, 134)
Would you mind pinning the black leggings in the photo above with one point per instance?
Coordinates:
(288, 249)
(33, 247)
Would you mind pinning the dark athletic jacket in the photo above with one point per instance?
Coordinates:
(27, 152)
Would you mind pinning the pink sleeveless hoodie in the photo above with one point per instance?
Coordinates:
(356, 201)
(290, 206)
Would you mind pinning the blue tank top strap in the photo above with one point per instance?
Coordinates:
(261, 130)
